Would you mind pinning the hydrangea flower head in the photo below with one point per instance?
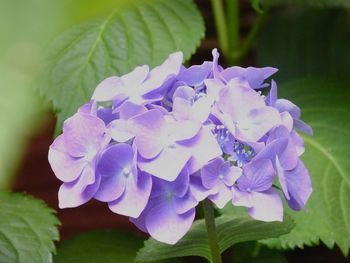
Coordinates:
(174, 136)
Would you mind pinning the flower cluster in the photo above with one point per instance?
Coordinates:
(154, 143)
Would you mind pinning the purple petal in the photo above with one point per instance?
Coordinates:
(65, 167)
(211, 171)
(287, 120)
(272, 97)
(135, 78)
(115, 165)
(80, 191)
(184, 92)
(135, 197)
(281, 177)
(285, 105)
(298, 142)
(303, 127)
(107, 115)
(241, 198)
(204, 147)
(177, 188)
(272, 149)
(166, 226)
(223, 196)
(183, 130)
(195, 75)
(129, 110)
(83, 134)
(239, 101)
(150, 129)
(299, 186)
(254, 76)
(168, 164)
(185, 203)
(214, 87)
(119, 131)
(197, 188)
(267, 206)
(257, 176)
(161, 74)
(231, 174)
(108, 89)
(257, 123)
(89, 108)
(181, 109)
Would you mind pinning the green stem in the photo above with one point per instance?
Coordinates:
(220, 23)
(211, 230)
(250, 39)
(233, 24)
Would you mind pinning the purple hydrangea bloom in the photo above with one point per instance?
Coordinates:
(282, 152)
(254, 190)
(244, 113)
(170, 210)
(73, 156)
(123, 186)
(152, 144)
(220, 176)
(286, 106)
(141, 86)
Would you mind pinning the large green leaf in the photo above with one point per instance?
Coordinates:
(313, 3)
(140, 32)
(325, 105)
(27, 229)
(230, 230)
(105, 246)
(306, 42)
(99, 246)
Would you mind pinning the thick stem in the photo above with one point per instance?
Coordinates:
(237, 55)
(233, 24)
(220, 23)
(211, 230)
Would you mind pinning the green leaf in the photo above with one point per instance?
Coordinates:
(27, 229)
(105, 246)
(99, 246)
(255, 252)
(325, 106)
(312, 3)
(306, 42)
(230, 230)
(141, 32)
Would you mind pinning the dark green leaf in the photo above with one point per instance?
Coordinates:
(99, 246)
(306, 42)
(255, 252)
(27, 229)
(141, 32)
(325, 105)
(313, 3)
(230, 230)
(102, 246)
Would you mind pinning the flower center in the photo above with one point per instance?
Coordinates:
(242, 154)
(222, 134)
(126, 171)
